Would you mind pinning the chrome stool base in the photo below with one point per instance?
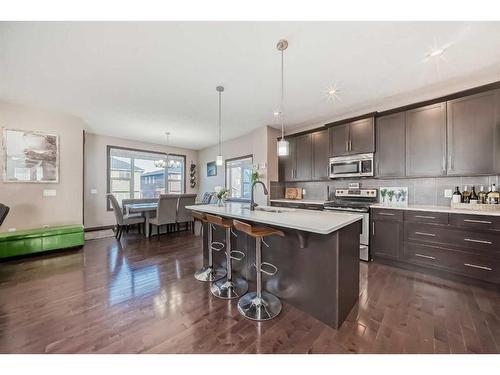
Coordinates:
(209, 274)
(226, 289)
(264, 308)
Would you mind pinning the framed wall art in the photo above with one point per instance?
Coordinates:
(30, 156)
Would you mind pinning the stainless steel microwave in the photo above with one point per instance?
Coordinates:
(360, 165)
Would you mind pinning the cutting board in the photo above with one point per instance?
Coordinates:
(293, 193)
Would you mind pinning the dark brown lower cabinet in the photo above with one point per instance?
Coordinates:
(465, 245)
(386, 238)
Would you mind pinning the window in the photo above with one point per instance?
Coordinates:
(239, 177)
(143, 174)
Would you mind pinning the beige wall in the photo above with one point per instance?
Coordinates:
(257, 143)
(96, 214)
(28, 207)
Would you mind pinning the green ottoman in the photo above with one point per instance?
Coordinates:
(31, 241)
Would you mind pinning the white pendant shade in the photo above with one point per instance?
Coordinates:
(283, 148)
(219, 161)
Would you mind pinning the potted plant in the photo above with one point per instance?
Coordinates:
(255, 176)
(222, 194)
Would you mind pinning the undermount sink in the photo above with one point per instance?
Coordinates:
(276, 210)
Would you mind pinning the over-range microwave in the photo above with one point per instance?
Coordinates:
(359, 165)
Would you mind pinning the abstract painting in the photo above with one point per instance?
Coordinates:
(211, 169)
(30, 156)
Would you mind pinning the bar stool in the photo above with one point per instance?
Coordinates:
(208, 273)
(228, 287)
(259, 305)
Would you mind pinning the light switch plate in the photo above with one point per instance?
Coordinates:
(93, 191)
(49, 192)
(448, 193)
(303, 192)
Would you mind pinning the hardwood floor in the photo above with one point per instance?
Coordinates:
(140, 297)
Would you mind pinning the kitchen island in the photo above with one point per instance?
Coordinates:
(317, 260)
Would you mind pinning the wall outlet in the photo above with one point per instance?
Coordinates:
(11, 229)
(93, 191)
(448, 193)
(49, 192)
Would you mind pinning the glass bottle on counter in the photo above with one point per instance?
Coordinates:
(473, 199)
(457, 196)
(482, 195)
(493, 196)
(465, 195)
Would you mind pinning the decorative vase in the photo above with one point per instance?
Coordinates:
(220, 202)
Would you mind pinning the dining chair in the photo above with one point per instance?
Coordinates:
(184, 215)
(166, 213)
(123, 220)
(4, 210)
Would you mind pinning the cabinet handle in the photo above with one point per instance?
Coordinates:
(425, 217)
(478, 241)
(476, 266)
(477, 221)
(425, 234)
(444, 164)
(347, 145)
(424, 256)
(386, 213)
(350, 145)
(373, 228)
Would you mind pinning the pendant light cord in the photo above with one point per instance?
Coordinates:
(220, 126)
(282, 110)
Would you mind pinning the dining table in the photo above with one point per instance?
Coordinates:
(144, 208)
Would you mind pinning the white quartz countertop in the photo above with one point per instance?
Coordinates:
(444, 209)
(303, 201)
(321, 222)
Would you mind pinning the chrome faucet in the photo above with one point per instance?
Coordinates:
(252, 202)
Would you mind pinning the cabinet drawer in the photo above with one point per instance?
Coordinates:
(427, 233)
(483, 222)
(479, 242)
(475, 241)
(387, 214)
(466, 264)
(426, 217)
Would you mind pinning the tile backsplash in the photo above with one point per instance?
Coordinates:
(420, 190)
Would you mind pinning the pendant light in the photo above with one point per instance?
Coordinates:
(162, 163)
(218, 160)
(283, 144)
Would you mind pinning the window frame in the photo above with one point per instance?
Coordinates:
(108, 169)
(225, 175)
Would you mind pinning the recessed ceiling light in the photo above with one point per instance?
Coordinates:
(436, 52)
(276, 113)
(332, 92)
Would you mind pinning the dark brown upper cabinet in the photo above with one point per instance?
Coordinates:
(297, 165)
(473, 127)
(303, 157)
(287, 163)
(390, 157)
(353, 138)
(320, 146)
(426, 141)
(339, 140)
(362, 136)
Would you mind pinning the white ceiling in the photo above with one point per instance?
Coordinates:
(139, 79)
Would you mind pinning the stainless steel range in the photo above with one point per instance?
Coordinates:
(356, 200)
